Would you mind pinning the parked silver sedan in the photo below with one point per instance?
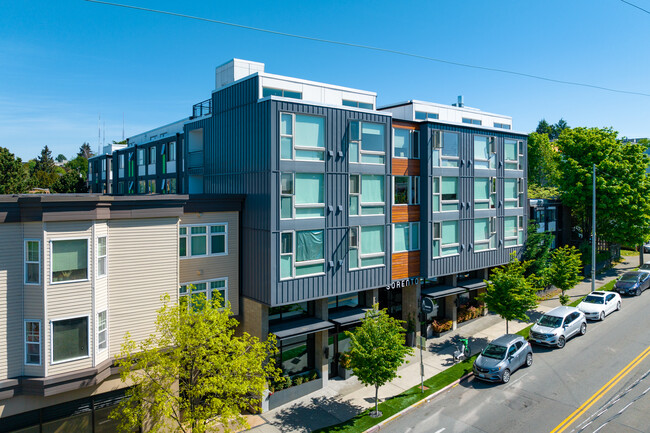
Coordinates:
(557, 326)
(502, 357)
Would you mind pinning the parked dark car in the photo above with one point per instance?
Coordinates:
(502, 357)
(632, 283)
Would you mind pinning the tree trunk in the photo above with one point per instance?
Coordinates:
(376, 400)
(506, 326)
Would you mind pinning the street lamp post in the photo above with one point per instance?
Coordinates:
(593, 231)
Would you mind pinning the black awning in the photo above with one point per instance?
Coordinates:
(474, 284)
(442, 291)
(298, 327)
(348, 317)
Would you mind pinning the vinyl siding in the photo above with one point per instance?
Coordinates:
(11, 283)
(100, 298)
(33, 302)
(142, 266)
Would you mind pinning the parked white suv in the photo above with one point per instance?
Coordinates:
(557, 326)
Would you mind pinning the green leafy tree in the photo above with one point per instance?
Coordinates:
(85, 151)
(622, 187)
(13, 175)
(79, 164)
(377, 349)
(193, 374)
(61, 158)
(548, 192)
(543, 128)
(543, 160)
(564, 272)
(537, 252)
(70, 182)
(509, 293)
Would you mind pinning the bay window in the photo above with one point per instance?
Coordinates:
(203, 240)
(406, 237)
(102, 331)
(33, 262)
(366, 247)
(302, 253)
(302, 137)
(69, 339)
(209, 291)
(367, 142)
(406, 190)
(485, 236)
(33, 342)
(101, 257)
(69, 260)
(302, 195)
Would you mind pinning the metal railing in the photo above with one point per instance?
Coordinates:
(202, 108)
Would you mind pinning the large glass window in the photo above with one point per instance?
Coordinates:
(445, 149)
(204, 291)
(513, 227)
(511, 154)
(302, 195)
(445, 195)
(33, 342)
(485, 152)
(406, 143)
(406, 237)
(302, 137)
(102, 268)
(32, 262)
(485, 236)
(302, 253)
(102, 331)
(513, 193)
(370, 196)
(69, 339)
(367, 142)
(366, 246)
(203, 240)
(69, 260)
(450, 241)
(485, 192)
(295, 354)
(406, 190)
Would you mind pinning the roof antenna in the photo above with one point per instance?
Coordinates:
(122, 125)
(99, 134)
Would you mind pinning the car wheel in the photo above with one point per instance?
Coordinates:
(583, 327)
(601, 318)
(506, 376)
(618, 306)
(638, 292)
(529, 360)
(560, 342)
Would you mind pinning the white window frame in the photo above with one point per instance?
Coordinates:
(438, 143)
(519, 200)
(354, 246)
(293, 256)
(356, 194)
(88, 258)
(370, 204)
(492, 198)
(171, 151)
(294, 205)
(141, 158)
(436, 235)
(413, 146)
(365, 256)
(492, 150)
(454, 245)
(52, 362)
(105, 257)
(412, 197)
(295, 147)
(491, 241)
(520, 153)
(359, 142)
(512, 161)
(520, 230)
(438, 195)
(208, 233)
(99, 331)
(412, 239)
(27, 262)
(152, 155)
(27, 343)
(208, 290)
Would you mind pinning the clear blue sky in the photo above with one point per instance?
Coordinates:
(64, 62)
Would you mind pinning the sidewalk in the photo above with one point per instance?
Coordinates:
(341, 399)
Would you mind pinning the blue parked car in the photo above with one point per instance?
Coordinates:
(632, 283)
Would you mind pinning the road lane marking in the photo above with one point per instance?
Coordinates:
(515, 381)
(601, 392)
(441, 430)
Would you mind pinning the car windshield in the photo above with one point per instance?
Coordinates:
(550, 321)
(594, 299)
(494, 351)
(645, 267)
(630, 278)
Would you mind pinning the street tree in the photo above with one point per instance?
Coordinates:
(509, 293)
(537, 252)
(564, 272)
(377, 349)
(543, 160)
(622, 187)
(193, 374)
(13, 176)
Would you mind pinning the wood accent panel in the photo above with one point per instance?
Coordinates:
(405, 167)
(405, 265)
(404, 214)
(401, 125)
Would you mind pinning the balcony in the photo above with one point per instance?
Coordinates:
(202, 108)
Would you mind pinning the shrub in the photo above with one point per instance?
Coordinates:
(344, 360)
(441, 326)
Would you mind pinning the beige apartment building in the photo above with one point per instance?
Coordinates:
(79, 272)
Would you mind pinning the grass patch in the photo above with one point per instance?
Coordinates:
(629, 252)
(608, 287)
(393, 405)
(525, 332)
(576, 302)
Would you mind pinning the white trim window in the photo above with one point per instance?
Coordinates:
(70, 339)
(366, 247)
(513, 230)
(366, 142)
(406, 237)
(209, 289)
(485, 234)
(406, 143)
(406, 190)
(485, 192)
(102, 331)
(513, 193)
(69, 260)
(302, 137)
(423, 115)
(201, 240)
(445, 194)
(302, 253)
(102, 257)
(513, 154)
(445, 149)
(445, 239)
(32, 261)
(485, 151)
(302, 195)
(32, 342)
(367, 194)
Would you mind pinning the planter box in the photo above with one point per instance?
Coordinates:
(344, 373)
(431, 334)
(284, 396)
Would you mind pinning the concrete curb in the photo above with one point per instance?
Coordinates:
(378, 427)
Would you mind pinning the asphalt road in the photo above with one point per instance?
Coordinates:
(599, 382)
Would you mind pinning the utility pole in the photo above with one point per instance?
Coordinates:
(593, 231)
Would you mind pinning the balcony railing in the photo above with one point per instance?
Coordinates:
(202, 108)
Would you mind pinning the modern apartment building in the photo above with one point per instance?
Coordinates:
(346, 203)
(77, 272)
